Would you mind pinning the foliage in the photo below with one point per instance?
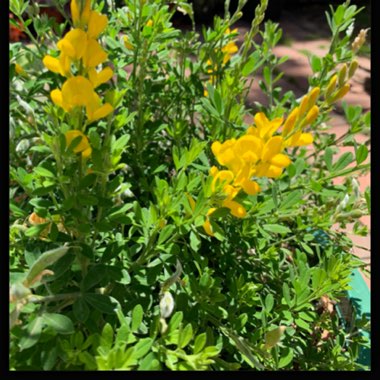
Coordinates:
(130, 248)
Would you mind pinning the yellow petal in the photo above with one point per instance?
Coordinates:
(80, 12)
(280, 160)
(191, 201)
(271, 148)
(99, 78)
(94, 55)
(236, 208)
(223, 177)
(208, 228)
(77, 40)
(52, 64)
(101, 112)
(250, 187)
(66, 47)
(87, 152)
(56, 97)
(83, 145)
(65, 64)
(78, 91)
(96, 24)
(273, 171)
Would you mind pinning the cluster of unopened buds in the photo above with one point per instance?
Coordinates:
(228, 50)
(78, 61)
(258, 153)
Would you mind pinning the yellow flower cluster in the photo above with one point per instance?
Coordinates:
(258, 153)
(228, 51)
(80, 54)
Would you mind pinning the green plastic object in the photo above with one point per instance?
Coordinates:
(360, 297)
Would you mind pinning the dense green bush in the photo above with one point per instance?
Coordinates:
(158, 222)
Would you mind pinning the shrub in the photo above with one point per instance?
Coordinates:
(158, 221)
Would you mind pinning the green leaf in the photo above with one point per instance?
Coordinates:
(43, 172)
(252, 64)
(199, 343)
(185, 336)
(88, 200)
(195, 241)
(100, 302)
(344, 160)
(81, 310)
(142, 347)
(106, 339)
(328, 158)
(286, 357)
(33, 330)
(302, 324)
(269, 302)
(166, 233)
(276, 228)
(149, 363)
(46, 259)
(361, 154)
(291, 199)
(137, 317)
(286, 293)
(60, 323)
(95, 274)
(175, 321)
(316, 63)
(36, 230)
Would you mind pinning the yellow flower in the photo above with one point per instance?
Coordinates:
(19, 70)
(229, 49)
(264, 128)
(73, 44)
(59, 65)
(149, 23)
(77, 92)
(80, 12)
(83, 146)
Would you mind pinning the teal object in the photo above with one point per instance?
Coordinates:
(360, 297)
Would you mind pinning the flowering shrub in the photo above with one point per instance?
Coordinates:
(152, 225)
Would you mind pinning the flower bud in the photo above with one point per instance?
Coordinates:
(359, 40)
(342, 75)
(290, 122)
(356, 188)
(313, 96)
(166, 305)
(353, 66)
(331, 86)
(341, 93)
(303, 105)
(312, 115)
